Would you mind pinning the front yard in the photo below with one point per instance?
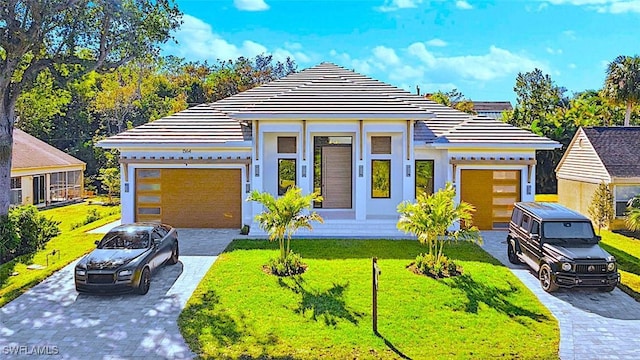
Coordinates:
(72, 243)
(238, 311)
(627, 253)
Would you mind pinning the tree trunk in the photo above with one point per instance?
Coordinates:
(6, 145)
(627, 114)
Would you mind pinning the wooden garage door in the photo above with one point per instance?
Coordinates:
(493, 193)
(190, 198)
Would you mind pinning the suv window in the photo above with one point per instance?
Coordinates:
(526, 220)
(516, 216)
(535, 228)
(569, 231)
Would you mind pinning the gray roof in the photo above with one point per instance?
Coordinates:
(491, 106)
(325, 91)
(31, 152)
(618, 148)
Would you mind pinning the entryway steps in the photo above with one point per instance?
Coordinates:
(350, 229)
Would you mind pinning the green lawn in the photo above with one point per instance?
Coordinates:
(627, 253)
(238, 311)
(71, 244)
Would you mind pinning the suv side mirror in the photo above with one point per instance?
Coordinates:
(97, 242)
(598, 238)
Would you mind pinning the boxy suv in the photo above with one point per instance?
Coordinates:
(561, 246)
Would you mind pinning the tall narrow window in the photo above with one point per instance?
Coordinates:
(16, 191)
(424, 177)
(286, 175)
(380, 178)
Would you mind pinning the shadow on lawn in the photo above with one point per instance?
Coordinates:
(328, 305)
(220, 325)
(493, 297)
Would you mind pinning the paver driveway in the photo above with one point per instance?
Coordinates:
(593, 324)
(53, 318)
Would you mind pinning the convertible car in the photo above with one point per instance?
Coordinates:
(126, 257)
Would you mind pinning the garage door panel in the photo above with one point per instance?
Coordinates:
(493, 193)
(193, 198)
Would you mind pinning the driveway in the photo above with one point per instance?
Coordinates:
(593, 324)
(53, 319)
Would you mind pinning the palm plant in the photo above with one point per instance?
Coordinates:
(633, 214)
(622, 84)
(430, 217)
(282, 217)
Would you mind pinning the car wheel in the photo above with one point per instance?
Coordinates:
(511, 253)
(545, 279)
(175, 253)
(145, 282)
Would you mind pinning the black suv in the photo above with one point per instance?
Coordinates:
(561, 246)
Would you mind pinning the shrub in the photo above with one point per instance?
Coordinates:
(27, 231)
(291, 265)
(601, 208)
(437, 267)
(8, 239)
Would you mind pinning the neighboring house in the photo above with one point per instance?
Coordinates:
(364, 145)
(41, 174)
(600, 154)
(492, 109)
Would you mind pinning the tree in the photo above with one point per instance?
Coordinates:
(601, 208)
(70, 38)
(430, 217)
(281, 218)
(110, 178)
(622, 84)
(454, 99)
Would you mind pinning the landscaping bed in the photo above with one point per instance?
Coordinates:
(239, 311)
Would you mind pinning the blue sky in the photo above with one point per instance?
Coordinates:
(477, 47)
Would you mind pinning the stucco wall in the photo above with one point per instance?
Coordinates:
(576, 195)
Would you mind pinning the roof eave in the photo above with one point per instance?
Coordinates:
(493, 145)
(115, 144)
(334, 116)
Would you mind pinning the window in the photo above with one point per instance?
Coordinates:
(380, 178)
(535, 228)
(65, 185)
(286, 145)
(16, 191)
(286, 175)
(526, 220)
(623, 194)
(424, 177)
(381, 144)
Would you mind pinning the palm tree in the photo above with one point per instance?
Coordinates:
(285, 215)
(430, 217)
(622, 84)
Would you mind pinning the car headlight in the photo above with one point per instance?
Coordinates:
(127, 272)
(611, 266)
(81, 272)
(566, 266)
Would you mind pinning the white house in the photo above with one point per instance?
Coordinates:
(364, 145)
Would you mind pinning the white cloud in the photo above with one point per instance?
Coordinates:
(603, 6)
(463, 5)
(569, 34)
(251, 5)
(393, 5)
(571, 66)
(198, 42)
(553, 51)
(386, 55)
(436, 42)
(420, 51)
(407, 72)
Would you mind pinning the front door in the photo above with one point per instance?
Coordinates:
(336, 177)
(38, 190)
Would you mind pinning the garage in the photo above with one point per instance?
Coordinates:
(190, 198)
(493, 193)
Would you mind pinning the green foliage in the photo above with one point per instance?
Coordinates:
(291, 265)
(601, 209)
(284, 216)
(92, 215)
(441, 267)
(622, 84)
(110, 179)
(454, 99)
(430, 217)
(27, 231)
(632, 219)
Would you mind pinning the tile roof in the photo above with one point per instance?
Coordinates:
(491, 106)
(31, 152)
(618, 148)
(325, 91)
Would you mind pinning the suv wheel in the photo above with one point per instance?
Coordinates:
(545, 279)
(511, 253)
